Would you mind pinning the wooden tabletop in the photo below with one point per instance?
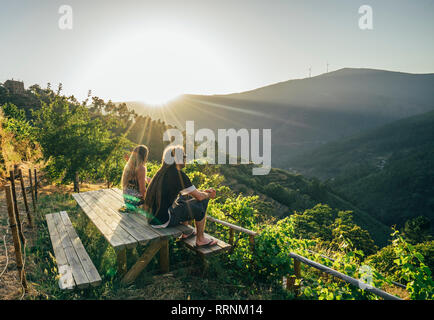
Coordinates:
(122, 230)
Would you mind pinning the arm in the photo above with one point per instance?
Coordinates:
(141, 177)
(200, 195)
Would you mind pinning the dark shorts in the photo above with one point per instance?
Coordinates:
(186, 208)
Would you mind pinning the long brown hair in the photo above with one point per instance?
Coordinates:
(138, 158)
(155, 188)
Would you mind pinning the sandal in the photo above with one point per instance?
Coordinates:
(188, 236)
(211, 242)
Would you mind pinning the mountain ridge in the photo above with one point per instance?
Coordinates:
(306, 113)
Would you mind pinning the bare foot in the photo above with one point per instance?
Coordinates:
(205, 242)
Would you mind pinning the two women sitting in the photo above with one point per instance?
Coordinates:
(170, 198)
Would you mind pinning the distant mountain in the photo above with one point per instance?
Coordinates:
(304, 114)
(388, 172)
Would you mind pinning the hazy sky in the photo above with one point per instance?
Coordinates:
(152, 50)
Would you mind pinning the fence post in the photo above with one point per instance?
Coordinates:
(31, 190)
(15, 204)
(13, 225)
(297, 269)
(290, 280)
(23, 190)
(252, 242)
(231, 236)
(36, 186)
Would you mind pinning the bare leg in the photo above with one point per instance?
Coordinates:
(186, 223)
(200, 229)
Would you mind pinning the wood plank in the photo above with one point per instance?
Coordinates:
(163, 232)
(117, 229)
(143, 261)
(164, 256)
(55, 242)
(121, 261)
(140, 232)
(232, 226)
(88, 266)
(140, 219)
(219, 247)
(78, 272)
(66, 280)
(132, 221)
(113, 239)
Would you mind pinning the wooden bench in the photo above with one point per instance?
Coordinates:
(74, 264)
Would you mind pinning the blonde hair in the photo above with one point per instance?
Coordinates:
(138, 158)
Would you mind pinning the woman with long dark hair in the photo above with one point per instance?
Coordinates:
(171, 198)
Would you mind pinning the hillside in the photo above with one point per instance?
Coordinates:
(304, 114)
(389, 171)
(296, 193)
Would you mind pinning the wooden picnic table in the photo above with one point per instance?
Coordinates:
(125, 230)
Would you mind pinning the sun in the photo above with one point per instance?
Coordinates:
(155, 65)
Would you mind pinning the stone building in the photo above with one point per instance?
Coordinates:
(14, 86)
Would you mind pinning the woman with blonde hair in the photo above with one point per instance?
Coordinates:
(171, 198)
(134, 178)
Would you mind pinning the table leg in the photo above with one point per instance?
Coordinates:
(122, 261)
(143, 261)
(164, 256)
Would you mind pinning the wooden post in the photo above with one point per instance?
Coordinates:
(76, 183)
(36, 186)
(14, 227)
(23, 190)
(297, 269)
(252, 241)
(15, 203)
(164, 256)
(290, 280)
(143, 261)
(122, 261)
(31, 190)
(231, 236)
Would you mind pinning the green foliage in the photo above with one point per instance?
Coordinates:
(417, 230)
(113, 166)
(299, 193)
(412, 269)
(332, 227)
(71, 141)
(387, 172)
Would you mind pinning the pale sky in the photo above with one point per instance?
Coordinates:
(154, 50)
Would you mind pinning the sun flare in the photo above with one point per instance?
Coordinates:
(156, 65)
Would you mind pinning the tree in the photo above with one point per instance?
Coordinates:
(417, 230)
(332, 227)
(73, 144)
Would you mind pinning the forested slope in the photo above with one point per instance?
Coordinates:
(389, 172)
